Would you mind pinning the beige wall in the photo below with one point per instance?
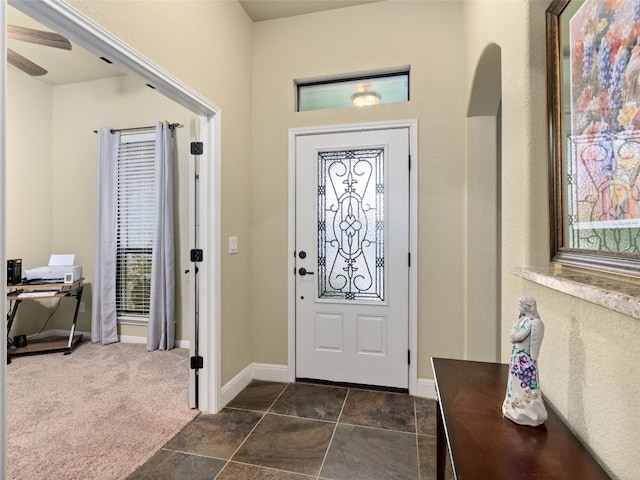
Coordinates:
(78, 110)
(52, 183)
(28, 207)
(338, 42)
(207, 45)
(588, 366)
(587, 361)
(28, 173)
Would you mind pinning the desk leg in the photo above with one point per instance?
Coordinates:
(10, 318)
(12, 315)
(441, 444)
(75, 319)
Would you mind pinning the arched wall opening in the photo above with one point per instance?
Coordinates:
(483, 209)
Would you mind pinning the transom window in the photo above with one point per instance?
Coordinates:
(358, 91)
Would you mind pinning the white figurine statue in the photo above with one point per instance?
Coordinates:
(523, 403)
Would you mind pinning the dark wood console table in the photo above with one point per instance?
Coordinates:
(484, 445)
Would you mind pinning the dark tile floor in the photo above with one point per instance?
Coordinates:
(278, 431)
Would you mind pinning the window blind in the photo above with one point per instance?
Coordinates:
(134, 223)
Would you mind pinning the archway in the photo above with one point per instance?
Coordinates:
(483, 209)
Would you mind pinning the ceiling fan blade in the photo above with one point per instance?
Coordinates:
(39, 37)
(24, 64)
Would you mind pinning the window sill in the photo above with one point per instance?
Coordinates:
(620, 294)
(131, 320)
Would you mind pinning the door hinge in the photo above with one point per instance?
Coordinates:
(197, 148)
(196, 255)
(409, 258)
(409, 162)
(409, 357)
(197, 362)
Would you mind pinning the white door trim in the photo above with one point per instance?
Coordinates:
(80, 29)
(3, 308)
(412, 126)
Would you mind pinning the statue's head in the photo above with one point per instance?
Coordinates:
(528, 305)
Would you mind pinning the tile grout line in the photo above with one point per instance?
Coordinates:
(272, 469)
(279, 395)
(264, 414)
(193, 454)
(326, 453)
(369, 427)
(288, 415)
(261, 414)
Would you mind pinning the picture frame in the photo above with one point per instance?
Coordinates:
(593, 103)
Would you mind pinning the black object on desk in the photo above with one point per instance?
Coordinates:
(14, 271)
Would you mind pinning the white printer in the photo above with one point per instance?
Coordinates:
(60, 268)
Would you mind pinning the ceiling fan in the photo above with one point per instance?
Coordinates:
(39, 37)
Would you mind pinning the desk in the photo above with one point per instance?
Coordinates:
(33, 291)
(485, 445)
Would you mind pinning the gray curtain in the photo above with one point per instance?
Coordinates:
(104, 328)
(161, 329)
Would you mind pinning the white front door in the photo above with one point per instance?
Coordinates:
(352, 257)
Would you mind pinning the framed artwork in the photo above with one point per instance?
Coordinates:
(593, 96)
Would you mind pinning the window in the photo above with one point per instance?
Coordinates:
(353, 91)
(134, 224)
(594, 112)
(351, 219)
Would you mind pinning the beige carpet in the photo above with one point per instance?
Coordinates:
(95, 414)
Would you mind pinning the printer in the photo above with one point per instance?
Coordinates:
(61, 268)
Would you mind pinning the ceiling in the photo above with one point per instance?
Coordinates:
(78, 65)
(63, 66)
(260, 10)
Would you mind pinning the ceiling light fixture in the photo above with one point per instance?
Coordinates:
(363, 99)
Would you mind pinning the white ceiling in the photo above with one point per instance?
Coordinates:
(63, 66)
(260, 10)
(78, 65)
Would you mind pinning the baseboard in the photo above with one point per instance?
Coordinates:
(256, 371)
(136, 339)
(234, 386)
(132, 339)
(123, 338)
(426, 388)
(279, 373)
(270, 372)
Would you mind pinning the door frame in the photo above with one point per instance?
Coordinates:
(412, 126)
(80, 29)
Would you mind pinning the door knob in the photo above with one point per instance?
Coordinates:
(303, 271)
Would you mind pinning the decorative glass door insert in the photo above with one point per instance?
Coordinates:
(351, 225)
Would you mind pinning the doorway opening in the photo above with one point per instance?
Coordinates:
(369, 329)
(67, 21)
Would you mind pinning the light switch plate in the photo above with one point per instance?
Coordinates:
(233, 245)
